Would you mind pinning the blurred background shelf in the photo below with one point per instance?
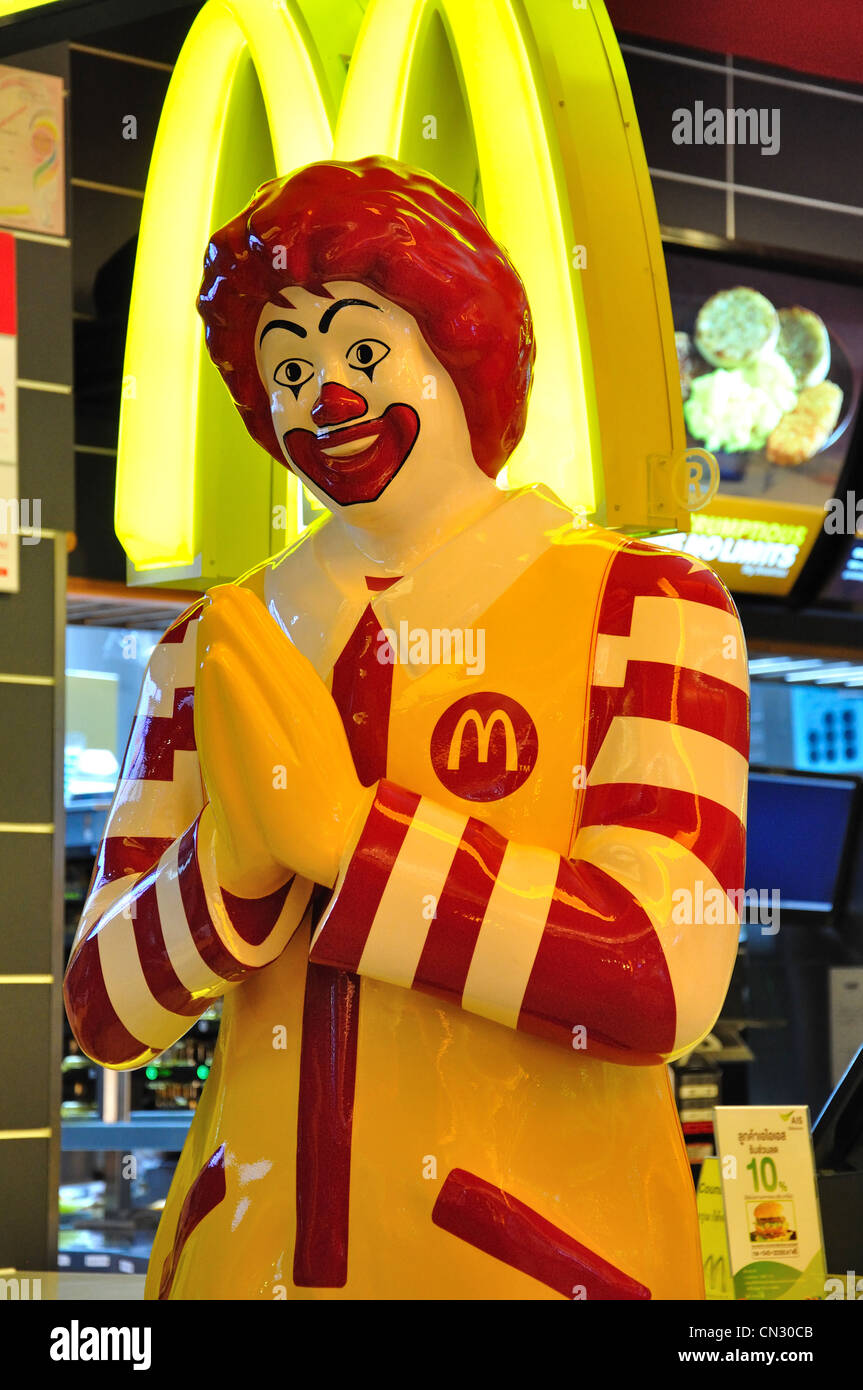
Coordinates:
(145, 1130)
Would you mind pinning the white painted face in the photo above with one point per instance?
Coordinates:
(364, 412)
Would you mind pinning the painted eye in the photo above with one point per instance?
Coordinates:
(366, 354)
(294, 372)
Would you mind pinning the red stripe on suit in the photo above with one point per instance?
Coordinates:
(452, 937)
(641, 571)
(98, 1028)
(121, 855)
(162, 980)
(361, 690)
(156, 738)
(500, 1225)
(675, 695)
(710, 831)
(351, 916)
(204, 1195)
(596, 935)
(575, 978)
(212, 950)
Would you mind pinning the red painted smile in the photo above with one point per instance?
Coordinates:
(355, 463)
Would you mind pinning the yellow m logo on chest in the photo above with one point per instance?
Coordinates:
(483, 729)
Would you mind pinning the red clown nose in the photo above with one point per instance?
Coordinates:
(336, 404)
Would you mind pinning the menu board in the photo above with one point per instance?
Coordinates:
(771, 370)
(32, 180)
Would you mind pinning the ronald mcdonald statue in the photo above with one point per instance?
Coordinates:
(433, 800)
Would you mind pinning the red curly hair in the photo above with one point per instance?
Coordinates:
(398, 231)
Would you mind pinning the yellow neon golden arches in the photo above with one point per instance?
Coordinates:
(535, 99)
(165, 358)
(524, 200)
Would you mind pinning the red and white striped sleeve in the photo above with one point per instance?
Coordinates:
(159, 938)
(625, 946)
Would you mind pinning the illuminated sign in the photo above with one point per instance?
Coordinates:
(854, 564)
(752, 546)
(493, 97)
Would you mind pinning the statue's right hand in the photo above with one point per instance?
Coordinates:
(238, 746)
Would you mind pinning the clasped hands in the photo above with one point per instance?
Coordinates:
(281, 782)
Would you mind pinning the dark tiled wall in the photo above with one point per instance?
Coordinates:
(67, 449)
(115, 75)
(808, 197)
(32, 632)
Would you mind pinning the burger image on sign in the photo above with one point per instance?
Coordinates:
(770, 1223)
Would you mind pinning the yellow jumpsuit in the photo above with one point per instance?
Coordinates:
(590, 763)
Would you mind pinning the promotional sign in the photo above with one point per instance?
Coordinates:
(772, 1219)
(31, 152)
(492, 97)
(9, 502)
(754, 546)
(711, 1227)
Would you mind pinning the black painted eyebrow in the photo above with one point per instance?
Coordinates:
(283, 323)
(327, 316)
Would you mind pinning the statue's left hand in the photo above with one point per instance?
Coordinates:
(273, 751)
